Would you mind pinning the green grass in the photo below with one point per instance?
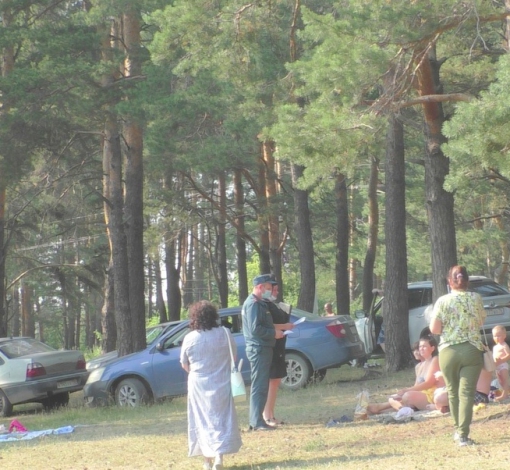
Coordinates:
(154, 437)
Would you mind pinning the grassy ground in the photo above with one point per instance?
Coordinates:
(154, 437)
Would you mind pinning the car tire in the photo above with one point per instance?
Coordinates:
(131, 392)
(318, 376)
(298, 372)
(55, 402)
(5, 405)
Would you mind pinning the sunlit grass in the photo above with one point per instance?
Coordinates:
(155, 437)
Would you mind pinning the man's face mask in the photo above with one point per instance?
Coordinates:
(267, 294)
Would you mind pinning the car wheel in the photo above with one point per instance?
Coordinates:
(318, 376)
(131, 392)
(5, 405)
(298, 372)
(56, 401)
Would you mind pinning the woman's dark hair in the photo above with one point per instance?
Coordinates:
(458, 277)
(203, 316)
(432, 342)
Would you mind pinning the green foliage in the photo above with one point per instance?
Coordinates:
(219, 77)
(478, 134)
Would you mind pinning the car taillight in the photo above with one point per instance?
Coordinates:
(337, 329)
(81, 364)
(35, 369)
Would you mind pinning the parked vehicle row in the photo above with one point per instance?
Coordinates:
(31, 371)
(155, 373)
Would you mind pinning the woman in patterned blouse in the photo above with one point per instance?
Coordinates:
(458, 318)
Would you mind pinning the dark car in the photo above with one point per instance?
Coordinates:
(33, 372)
(315, 345)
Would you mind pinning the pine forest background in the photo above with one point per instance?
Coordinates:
(154, 153)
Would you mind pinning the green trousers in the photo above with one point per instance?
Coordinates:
(461, 365)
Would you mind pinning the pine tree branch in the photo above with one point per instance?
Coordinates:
(452, 97)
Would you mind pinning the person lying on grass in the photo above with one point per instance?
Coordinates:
(421, 393)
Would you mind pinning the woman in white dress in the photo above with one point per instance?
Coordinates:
(213, 429)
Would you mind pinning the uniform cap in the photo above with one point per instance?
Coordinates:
(263, 278)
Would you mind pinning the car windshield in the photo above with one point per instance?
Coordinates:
(23, 347)
(488, 289)
(153, 333)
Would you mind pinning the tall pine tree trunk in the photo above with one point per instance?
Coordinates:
(373, 230)
(353, 262)
(160, 302)
(222, 241)
(304, 238)
(342, 246)
(133, 135)
(16, 320)
(66, 321)
(395, 308)
(108, 327)
(201, 265)
(272, 211)
(77, 320)
(501, 272)
(440, 203)
(27, 311)
(112, 161)
(3, 254)
(188, 263)
(40, 324)
(242, 273)
(264, 261)
(7, 68)
(173, 292)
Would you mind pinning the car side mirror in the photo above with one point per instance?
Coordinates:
(161, 347)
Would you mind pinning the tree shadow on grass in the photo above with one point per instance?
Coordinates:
(314, 462)
(368, 374)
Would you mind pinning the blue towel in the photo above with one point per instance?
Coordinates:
(25, 436)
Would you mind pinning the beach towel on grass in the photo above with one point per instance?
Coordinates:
(26, 436)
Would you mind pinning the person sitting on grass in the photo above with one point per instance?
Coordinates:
(440, 395)
(421, 393)
(483, 387)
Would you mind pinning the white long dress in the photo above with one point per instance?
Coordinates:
(212, 419)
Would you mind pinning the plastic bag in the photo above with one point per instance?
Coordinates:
(360, 412)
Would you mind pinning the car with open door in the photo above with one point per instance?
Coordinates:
(496, 300)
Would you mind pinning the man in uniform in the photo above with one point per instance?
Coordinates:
(260, 336)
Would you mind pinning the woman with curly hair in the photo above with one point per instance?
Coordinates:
(212, 421)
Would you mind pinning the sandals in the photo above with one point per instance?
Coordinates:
(207, 464)
(273, 422)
